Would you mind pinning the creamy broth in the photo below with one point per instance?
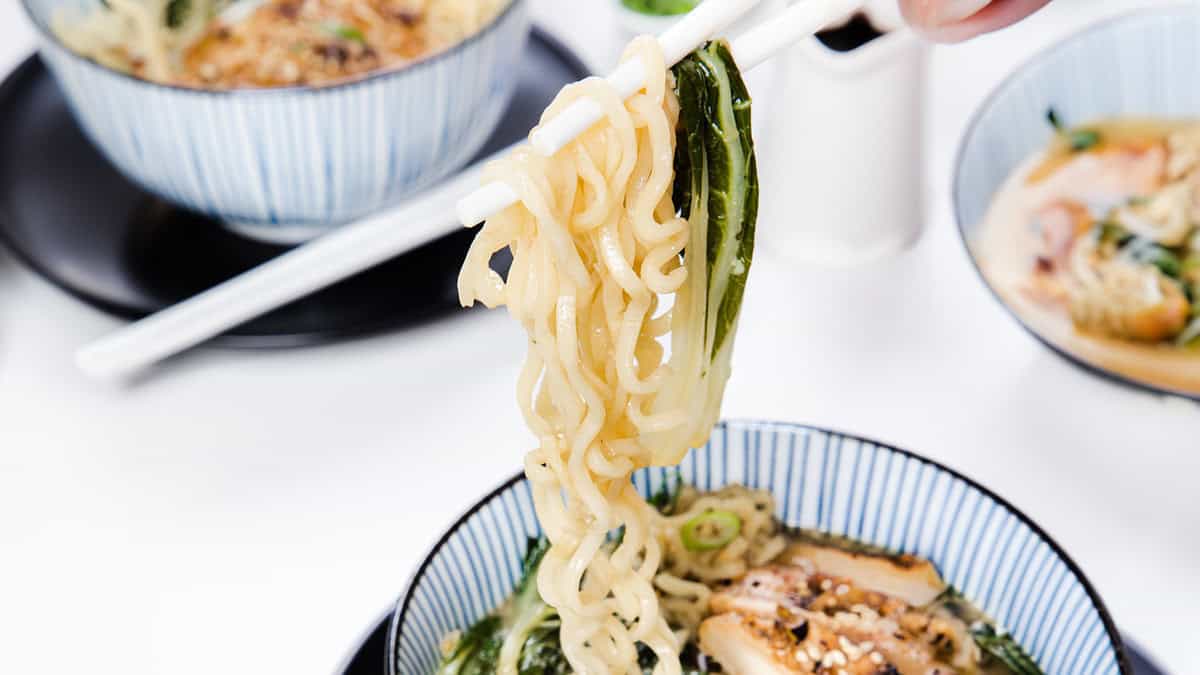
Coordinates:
(1010, 243)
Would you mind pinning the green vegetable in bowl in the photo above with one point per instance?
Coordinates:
(1079, 139)
(661, 7)
(177, 11)
(1004, 649)
(716, 181)
(710, 530)
(525, 619)
(1147, 252)
(344, 32)
(667, 497)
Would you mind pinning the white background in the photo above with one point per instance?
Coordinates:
(254, 512)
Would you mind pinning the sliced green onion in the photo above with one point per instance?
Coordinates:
(1079, 140)
(344, 32)
(661, 7)
(1082, 140)
(710, 530)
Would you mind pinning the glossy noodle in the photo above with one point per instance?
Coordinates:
(600, 284)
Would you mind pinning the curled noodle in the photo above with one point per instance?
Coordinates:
(595, 243)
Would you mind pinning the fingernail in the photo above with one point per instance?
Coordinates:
(957, 10)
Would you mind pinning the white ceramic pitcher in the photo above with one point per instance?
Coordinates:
(843, 175)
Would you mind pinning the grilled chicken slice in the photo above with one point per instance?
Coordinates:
(749, 645)
(792, 618)
(905, 577)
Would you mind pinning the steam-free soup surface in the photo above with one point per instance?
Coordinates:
(1094, 244)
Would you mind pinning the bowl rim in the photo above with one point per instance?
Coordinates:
(49, 39)
(400, 609)
(975, 122)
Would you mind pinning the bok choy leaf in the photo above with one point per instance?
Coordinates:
(716, 180)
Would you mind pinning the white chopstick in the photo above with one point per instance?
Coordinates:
(359, 246)
(755, 46)
(295, 274)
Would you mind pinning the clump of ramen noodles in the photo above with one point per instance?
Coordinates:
(220, 44)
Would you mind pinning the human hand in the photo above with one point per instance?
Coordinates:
(957, 20)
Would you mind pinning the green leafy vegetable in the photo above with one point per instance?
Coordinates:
(661, 7)
(1078, 139)
(1005, 650)
(542, 653)
(526, 619)
(710, 530)
(1114, 233)
(1148, 253)
(345, 32)
(690, 660)
(716, 180)
(476, 651)
(667, 497)
(177, 11)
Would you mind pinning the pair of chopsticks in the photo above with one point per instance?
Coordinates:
(359, 246)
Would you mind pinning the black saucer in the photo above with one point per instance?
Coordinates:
(71, 217)
(370, 658)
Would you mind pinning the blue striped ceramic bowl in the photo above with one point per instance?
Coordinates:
(292, 162)
(1144, 64)
(821, 480)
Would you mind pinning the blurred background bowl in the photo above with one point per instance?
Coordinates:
(290, 163)
(822, 480)
(1144, 63)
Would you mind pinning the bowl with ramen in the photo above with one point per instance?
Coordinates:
(284, 118)
(784, 549)
(1077, 193)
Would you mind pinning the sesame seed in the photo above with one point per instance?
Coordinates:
(802, 657)
(867, 646)
(814, 652)
(826, 584)
(876, 658)
(842, 589)
(833, 658)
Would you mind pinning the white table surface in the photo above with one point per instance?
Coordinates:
(254, 512)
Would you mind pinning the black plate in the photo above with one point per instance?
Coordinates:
(71, 217)
(370, 658)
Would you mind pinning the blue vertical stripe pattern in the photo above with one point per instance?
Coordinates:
(821, 479)
(296, 157)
